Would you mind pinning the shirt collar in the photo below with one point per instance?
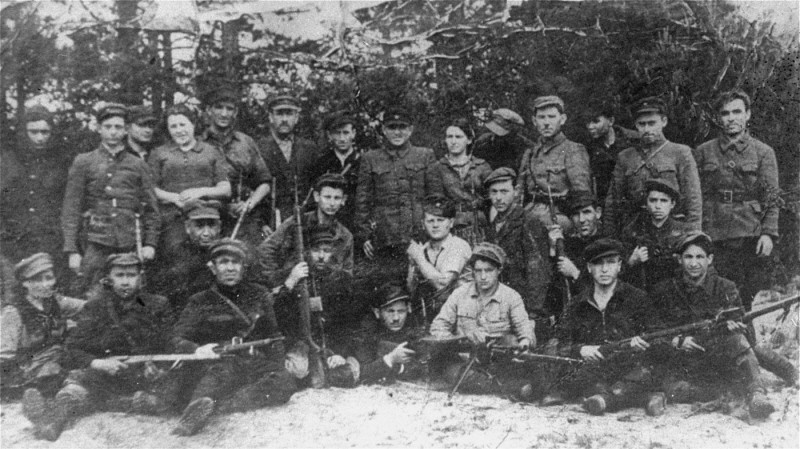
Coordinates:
(549, 144)
(400, 153)
(473, 293)
(738, 144)
(223, 138)
(197, 148)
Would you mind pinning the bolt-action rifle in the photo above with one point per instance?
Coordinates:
(236, 346)
(559, 246)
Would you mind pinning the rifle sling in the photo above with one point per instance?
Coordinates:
(233, 306)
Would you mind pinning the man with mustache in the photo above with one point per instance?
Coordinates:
(653, 157)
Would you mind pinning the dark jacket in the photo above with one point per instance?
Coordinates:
(602, 158)
(181, 274)
(660, 243)
(375, 341)
(677, 301)
(304, 156)
(330, 163)
(574, 247)
(505, 151)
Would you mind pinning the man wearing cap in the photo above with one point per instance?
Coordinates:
(739, 179)
(649, 239)
(502, 146)
(248, 173)
(117, 320)
(524, 240)
(288, 156)
(343, 158)
(181, 273)
(108, 191)
(231, 308)
(653, 157)
(553, 166)
(698, 293)
(34, 176)
(608, 310)
(435, 267)
(34, 326)
(607, 140)
(141, 130)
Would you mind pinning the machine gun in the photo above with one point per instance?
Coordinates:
(236, 346)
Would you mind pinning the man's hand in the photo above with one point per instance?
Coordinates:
(591, 353)
(523, 345)
(554, 234)
(207, 351)
(639, 255)
(415, 251)
(688, 344)
(400, 355)
(240, 207)
(109, 366)
(299, 272)
(192, 194)
(638, 344)
(335, 361)
(477, 336)
(368, 249)
(764, 246)
(736, 326)
(75, 262)
(148, 253)
(567, 268)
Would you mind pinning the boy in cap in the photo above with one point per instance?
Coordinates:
(503, 145)
(607, 140)
(231, 308)
(141, 130)
(118, 319)
(108, 191)
(653, 157)
(554, 166)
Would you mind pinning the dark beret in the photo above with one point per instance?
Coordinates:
(602, 248)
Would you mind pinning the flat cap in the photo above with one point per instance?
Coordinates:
(204, 210)
(112, 110)
(663, 186)
(504, 121)
(283, 101)
(602, 248)
(649, 105)
(320, 236)
(699, 238)
(141, 114)
(222, 94)
(228, 246)
(489, 251)
(122, 260)
(498, 175)
(439, 206)
(337, 120)
(36, 113)
(33, 265)
(396, 116)
(578, 199)
(548, 100)
(334, 180)
(390, 293)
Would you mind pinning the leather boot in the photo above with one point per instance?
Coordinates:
(757, 401)
(194, 417)
(597, 404)
(656, 404)
(776, 364)
(69, 403)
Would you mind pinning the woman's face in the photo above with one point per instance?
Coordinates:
(456, 140)
(40, 286)
(181, 129)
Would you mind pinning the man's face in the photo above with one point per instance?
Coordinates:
(734, 116)
(282, 120)
(695, 262)
(486, 275)
(659, 205)
(329, 200)
(112, 131)
(39, 133)
(228, 269)
(586, 220)
(598, 127)
(141, 132)
(203, 231)
(321, 255)
(605, 270)
(548, 121)
(437, 227)
(222, 114)
(501, 194)
(124, 280)
(393, 316)
(397, 134)
(651, 127)
(343, 138)
(41, 285)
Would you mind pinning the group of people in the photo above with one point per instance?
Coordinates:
(260, 267)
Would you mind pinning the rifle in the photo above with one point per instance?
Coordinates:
(273, 201)
(236, 346)
(240, 220)
(559, 244)
(139, 255)
(732, 314)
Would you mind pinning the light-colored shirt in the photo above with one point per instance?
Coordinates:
(453, 256)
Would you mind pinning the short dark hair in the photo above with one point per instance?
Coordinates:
(601, 109)
(703, 244)
(332, 180)
(184, 110)
(464, 125)
(733, 95)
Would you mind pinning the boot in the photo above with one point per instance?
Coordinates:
(144, 403)
(776, 364)
(759, 405)
(34, 407)
(596, 405)
(194, 417)
(316, 371)
(345, 376)
(69, 404)
(656, 404)
(553, 397)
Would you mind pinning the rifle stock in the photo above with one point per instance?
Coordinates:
(220, 352)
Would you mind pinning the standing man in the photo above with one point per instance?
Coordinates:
(141, 130)
(287, 155)
(553, 166)
(653, 157)
(393, 182)
(108, 191)
(248, 173)
(608, 139)
(503, 145)
(739, 178)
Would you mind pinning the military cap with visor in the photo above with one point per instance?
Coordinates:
(396, 116)
(489, 251)
(439, 206)
(694, 237)
(122, 260)
(389, 294)
(546, 101)
(504, 121)
(112, 110)
(663, 186)
(578, 199)
(229, 246)
(222, 94)
(204, 210)
(498, 175)
(33, 265)
(283, 101)
(38, 113)
(649, 105)
(604, 247)
(142, 115)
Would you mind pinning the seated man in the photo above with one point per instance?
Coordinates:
(697, 294)
(608, 310)
(118, 319)
(486, 310)
(434, 267)
(652, 235)
(230, 308)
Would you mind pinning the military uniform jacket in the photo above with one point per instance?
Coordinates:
(109, 326)
(392, 186)
(666, 160)
(677, 301)
(738, 178)
(527, 268)
(659, 242)
(559, 163)
(304, 157)
(105, 191)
